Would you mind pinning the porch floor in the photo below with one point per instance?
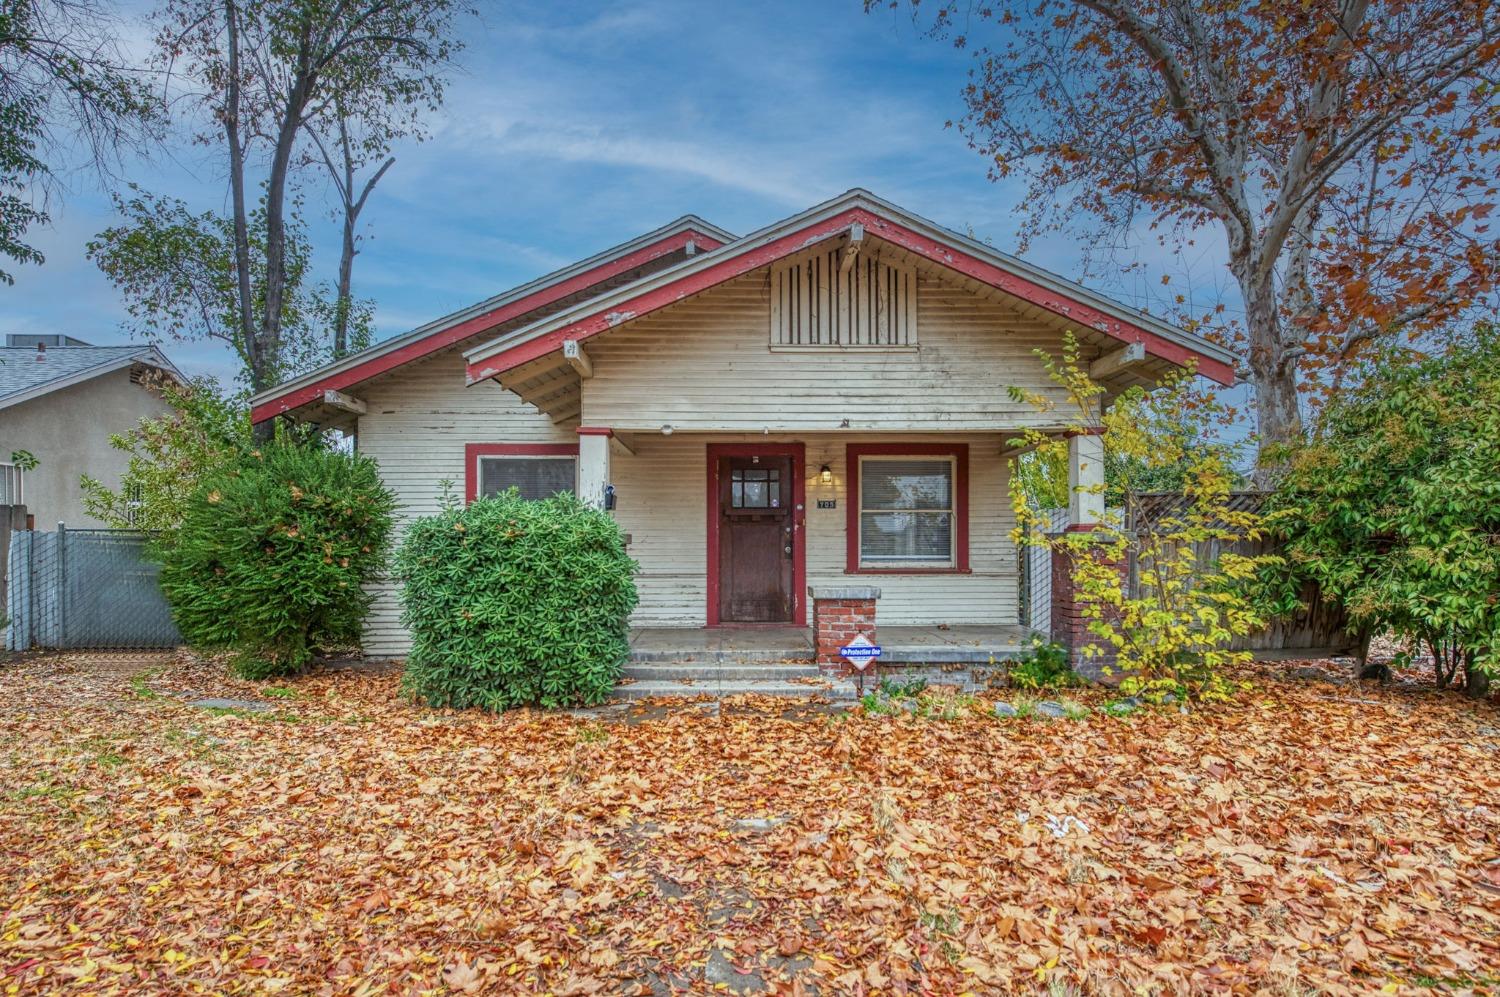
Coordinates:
(954, 644)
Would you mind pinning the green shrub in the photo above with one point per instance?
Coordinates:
(272, 554)
(1045, 666)
(513, 602)
(1393, 506)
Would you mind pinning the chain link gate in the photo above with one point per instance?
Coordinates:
(86, 589)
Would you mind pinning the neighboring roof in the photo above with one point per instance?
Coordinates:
(476, 319)
(24, 377)
(881, 219)
(47, 339)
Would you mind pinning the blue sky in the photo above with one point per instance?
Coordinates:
(573, 127)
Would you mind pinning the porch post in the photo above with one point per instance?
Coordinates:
(593, 464)
(1085, 479)
(1070, 626)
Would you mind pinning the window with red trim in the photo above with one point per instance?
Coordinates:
(908, 508)
(537, 470)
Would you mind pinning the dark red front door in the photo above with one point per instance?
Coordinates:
(755, 539)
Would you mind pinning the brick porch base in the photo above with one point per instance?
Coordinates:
(839, 615)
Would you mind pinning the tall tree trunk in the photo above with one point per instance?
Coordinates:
(246, 304)
(270, 324)
(304, 79)
(346, 293)
(249, 334)
(1277, 417)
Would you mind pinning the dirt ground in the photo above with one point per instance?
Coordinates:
(322, 835)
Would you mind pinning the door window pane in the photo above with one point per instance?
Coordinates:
(755, 488)
(535, 477)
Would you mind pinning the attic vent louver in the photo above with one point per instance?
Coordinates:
(817, 302)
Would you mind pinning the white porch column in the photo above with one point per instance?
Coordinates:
(1085, 479)
(593, 464)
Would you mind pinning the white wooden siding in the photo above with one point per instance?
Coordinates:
(662, 495)
(707, 368)
(416, 424)
(707, 364)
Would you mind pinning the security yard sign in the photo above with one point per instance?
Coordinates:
(859, 652)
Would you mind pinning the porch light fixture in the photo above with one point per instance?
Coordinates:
(666, 430)
(826, 474)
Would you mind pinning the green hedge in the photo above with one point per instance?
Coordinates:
(513, 603)
(272, 554)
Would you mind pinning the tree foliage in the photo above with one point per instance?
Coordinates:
(1172, 634)
(177, 274)
(272, 554)
(1394, 506)
(204, 434)
(266, 74)
(1348, 152)
(513, 602)
(67, 97)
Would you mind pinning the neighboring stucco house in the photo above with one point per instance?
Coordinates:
(819, 403)
(61, 399)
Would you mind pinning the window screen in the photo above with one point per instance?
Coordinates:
(905, 511)
(536, 477)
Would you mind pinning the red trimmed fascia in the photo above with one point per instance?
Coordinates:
(595, 431)
(798, 453)
(956, 259)
(473, 451)
(960, 454)
(470, 327)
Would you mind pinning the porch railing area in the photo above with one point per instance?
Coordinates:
(1320, 629)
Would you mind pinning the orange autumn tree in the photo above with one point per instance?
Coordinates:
(1346, 149)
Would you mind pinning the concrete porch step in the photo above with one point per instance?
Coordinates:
(702, 655)
(738, 687)
(715, 671)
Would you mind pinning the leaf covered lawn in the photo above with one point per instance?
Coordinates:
(1304, 838)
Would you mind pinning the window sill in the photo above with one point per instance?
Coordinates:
(908, 571)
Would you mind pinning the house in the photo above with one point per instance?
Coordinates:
(820, 406)
(61, 399)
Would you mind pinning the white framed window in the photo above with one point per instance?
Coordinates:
(908, 511)
(535, 476)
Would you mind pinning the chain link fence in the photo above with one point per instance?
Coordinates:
(1036, 577)
(85, 589)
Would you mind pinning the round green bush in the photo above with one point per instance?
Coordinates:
(515, 603)
(273, 553)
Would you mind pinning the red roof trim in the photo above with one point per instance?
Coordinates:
(947, 255)
(457, 333)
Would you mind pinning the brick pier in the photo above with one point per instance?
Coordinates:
(841, 613)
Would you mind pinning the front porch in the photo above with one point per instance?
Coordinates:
(956, 644)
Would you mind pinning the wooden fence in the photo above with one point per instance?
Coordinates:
(1319, 630)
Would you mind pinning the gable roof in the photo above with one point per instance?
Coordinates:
(547, 291)
(24, 377)
(1065, 299)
